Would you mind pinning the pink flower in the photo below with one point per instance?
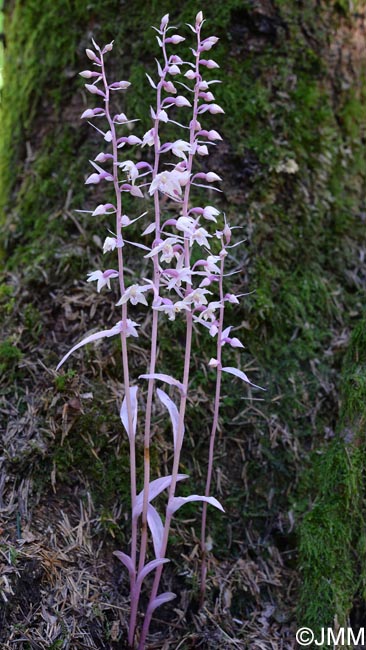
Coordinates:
(213, 363)
(134, 294)
(210, 213)
(208, 314)
(103, 278)
(130, 329)
(148, 138)
(211, 265)
(230, 297)
(167, 183)
(179, 148)
(110, 244)
(131, 169)
(166, 248)
(234, 342)
(197, 297)
(172, 308)
(178, 275)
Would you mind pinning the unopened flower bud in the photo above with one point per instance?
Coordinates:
(133, 139)
(181, 101)
(164, 21)
(94, 90)
(208, 43)
(211, 177)
(213, 363)
(175, 39)
(169, 87)
(173, 69)
(199, 18)
(103, 157)
(214, 109)
(92, 56)
(120, 85)
(190, 74)
(121, 118)
(92, 179)
(88, 74)
(213, 135)
(212, 64)
(108, 47)
(209, 63)
(87, 114)
(202, 150)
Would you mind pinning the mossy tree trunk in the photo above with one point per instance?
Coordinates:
(294, 166)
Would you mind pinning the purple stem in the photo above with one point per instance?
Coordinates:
(124, 318)
(183, 400)
(153, 356)
(213, 434)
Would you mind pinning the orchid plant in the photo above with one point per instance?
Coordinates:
(177, 286)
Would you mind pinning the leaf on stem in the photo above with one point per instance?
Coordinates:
(241, 375)
(126, 560)
(178, 502)
(173, 412)
(156, 528)
(160, 600)
(93, 337)
(167, 378)
(148, 568)
(155, 487)
(124, 412)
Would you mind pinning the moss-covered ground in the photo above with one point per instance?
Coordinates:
(294, 164)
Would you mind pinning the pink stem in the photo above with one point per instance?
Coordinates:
(183, 400)
(213, 435)
(153, 356)
(124, 320)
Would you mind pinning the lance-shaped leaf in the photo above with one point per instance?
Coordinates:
(241, 375)
(150, 228)
(92, 337)
(167, 378)
(155, 487)
(124, 413)
(148, 568)
(160, 600)
(173, 412)
(126, 560)
(178, 502)
(156, 527)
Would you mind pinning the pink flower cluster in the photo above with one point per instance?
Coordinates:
(177, 286)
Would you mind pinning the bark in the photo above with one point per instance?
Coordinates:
(293, 169)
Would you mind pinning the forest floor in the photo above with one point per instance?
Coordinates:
(64, 511)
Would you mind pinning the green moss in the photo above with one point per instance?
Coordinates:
(332, 534)
(62, 382)
(10, 355)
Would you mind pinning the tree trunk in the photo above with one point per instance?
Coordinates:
(291, 464)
